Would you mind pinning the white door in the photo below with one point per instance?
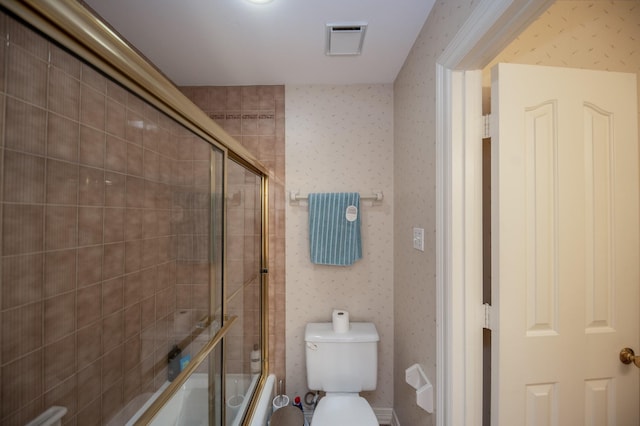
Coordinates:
(565, 246)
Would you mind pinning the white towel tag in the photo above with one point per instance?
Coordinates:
(351, 213)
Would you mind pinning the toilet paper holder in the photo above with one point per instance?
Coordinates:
(415, 377)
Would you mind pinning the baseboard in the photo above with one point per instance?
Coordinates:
(384, 415)
(394, 420)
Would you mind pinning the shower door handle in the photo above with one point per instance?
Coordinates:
(627, 356)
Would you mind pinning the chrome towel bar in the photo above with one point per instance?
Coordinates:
(375, 196)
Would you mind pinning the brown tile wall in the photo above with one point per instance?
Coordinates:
(104, 228)
(254, 115)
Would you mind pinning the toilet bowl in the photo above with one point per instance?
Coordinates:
(342, 364)
(343, 410)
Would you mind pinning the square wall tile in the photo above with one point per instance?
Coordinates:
(22, 382)
(60, 272)
(133, 129)
(88, 305)
(21, 331)
(116, 92)
(112, 296)
(23, 178)
(89, 384)
(26, 76)
(116, 154)
(59, 317)
(112, 331)
(90, 265)
(65, 395)
(112, 401)
(134, 160)
(91, 186)
(26, 38)
(113, 264)
(89, 344)
(63, 60)
(115, 190)
(132, 321)
(62, 182)
(92, 107)
(64, 93)
(21, 280)
(63, 136)
(25, 127)
(113, 224)
(91, 414)
(93, 78)
(112, 366)
(59, 361)
(90, 225)
(116, 118)
(61, 227)
(22, 229)
(92, 147)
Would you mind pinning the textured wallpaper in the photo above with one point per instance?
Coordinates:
(340, 139)
(415, 206)
(330, 148)
(599, 35)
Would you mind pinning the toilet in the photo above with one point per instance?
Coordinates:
(342, 365)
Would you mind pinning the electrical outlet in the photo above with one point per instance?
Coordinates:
(418, 239)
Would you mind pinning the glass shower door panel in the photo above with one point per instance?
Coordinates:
(242, 290)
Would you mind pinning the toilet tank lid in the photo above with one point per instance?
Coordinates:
(358, 332)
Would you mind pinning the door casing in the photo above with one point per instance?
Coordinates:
(492, 25)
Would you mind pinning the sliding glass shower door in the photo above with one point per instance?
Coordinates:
(242, 289)
(225, 333)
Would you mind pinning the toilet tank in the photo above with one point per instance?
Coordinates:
(342, 362)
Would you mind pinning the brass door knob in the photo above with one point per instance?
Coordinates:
(627, 356)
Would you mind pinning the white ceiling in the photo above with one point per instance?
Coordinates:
(235, 42)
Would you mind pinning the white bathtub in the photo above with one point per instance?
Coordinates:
(263, 409)
(190, 406)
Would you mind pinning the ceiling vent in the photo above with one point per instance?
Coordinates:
(345, 38)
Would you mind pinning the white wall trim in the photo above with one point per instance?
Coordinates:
(490, 27)
(384, 415)
(394, 419)
(471, 285)
(443, 258)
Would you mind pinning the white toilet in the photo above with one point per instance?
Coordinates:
(342, 364)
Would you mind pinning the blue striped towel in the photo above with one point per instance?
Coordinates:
(334, 228)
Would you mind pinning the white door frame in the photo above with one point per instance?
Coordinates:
(492, 25)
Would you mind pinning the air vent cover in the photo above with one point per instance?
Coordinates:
(345, 38)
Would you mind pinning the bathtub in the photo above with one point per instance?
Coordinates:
(189, 406)
(263, 408)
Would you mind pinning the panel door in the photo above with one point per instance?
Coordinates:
(565, 246)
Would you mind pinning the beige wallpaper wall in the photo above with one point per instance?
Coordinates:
(343, 138)
(599, 35)
(415, 205)
(340, 138)
(588, 34)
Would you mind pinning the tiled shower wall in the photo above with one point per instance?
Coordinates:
(104, 225)
(254, 115)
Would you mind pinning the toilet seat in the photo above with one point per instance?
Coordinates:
(343, 410)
